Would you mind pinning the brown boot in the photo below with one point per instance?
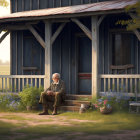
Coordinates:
(54, 111)
(45, 111)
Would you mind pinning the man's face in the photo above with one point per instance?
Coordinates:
(55, 78)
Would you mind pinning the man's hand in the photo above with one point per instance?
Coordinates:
(51, 93)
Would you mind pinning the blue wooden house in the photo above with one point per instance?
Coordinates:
(78, 39)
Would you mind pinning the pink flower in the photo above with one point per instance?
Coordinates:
(105, 101)
(96, 105)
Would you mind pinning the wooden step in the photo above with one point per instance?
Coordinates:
(78, 97)
(70, 108)
(75, 103)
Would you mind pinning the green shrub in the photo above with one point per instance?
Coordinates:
(30, 95)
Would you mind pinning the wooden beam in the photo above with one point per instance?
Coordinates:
(15, 27)
(48, 55)
(32, 22)
(1, 29)
(4, 35)
(63, 16)
(100, 20)
(18, 26)
(137, 33)
(83, 28)
(95, 56)
(60, 20)
(55, 35)
(36, 35)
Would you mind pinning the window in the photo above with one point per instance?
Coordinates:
(121, 48)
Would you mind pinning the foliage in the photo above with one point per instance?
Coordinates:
(29, 96)
(4, 3)
(116, 100)
(133, 23)
(102, 102)
(9, 101)
(94, 123)
(136, 19)
(119, 101)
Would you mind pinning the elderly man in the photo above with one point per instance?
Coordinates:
(52, 97)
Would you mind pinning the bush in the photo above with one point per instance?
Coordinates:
(30, 95)
(118, 101)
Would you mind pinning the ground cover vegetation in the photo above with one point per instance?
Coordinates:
(69, 125)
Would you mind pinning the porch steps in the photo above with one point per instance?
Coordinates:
(78, 97)
(73, 102)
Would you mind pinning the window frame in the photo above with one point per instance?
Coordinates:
(111, 32)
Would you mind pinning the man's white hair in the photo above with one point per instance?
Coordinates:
(56, 74)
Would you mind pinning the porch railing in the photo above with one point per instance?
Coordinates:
(15, 83)
(120, 83)
(108, 83)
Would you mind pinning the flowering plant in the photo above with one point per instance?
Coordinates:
(9, 101)
(102, 102)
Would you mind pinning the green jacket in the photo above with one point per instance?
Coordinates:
(60, 87)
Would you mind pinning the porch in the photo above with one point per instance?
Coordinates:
(124, 84)
(46, 35)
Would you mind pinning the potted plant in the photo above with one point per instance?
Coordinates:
(29, 97)
(103, 105)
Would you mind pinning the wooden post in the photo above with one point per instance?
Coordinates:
(48, 55)
(95, 55)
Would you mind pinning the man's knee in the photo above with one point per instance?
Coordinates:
(57, 94)
(43, 94)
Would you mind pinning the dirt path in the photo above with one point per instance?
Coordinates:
(34, 119)
(31, 119)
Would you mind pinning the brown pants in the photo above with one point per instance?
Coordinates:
(50, 100)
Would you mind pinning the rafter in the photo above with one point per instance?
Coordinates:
(4, 35)
(55, 35)
(100, 20)
(83, 28)
(1, 29)
(136, 31)
(36, 35)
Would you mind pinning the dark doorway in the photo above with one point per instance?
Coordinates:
(84, 66)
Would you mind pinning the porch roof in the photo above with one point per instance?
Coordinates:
(70, 11)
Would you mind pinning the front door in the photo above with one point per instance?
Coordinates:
(84, 67)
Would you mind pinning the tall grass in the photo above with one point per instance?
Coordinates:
(4, 70)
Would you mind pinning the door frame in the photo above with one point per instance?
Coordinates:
(88, 75)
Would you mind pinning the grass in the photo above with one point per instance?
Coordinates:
(4, 69)
(21, 118)
(114, 121)
(102, 124)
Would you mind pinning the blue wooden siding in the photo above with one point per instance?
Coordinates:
(25, 5)
(106, 27)
(13, 53)
(26, 52)
(64, 55)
